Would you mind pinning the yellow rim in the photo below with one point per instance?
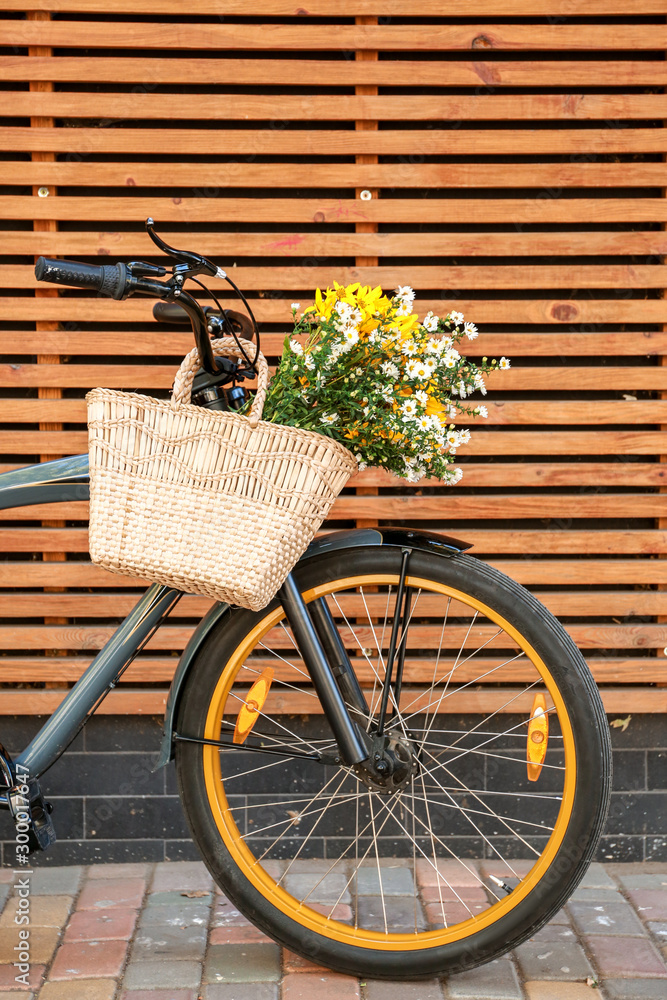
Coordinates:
(297, 910)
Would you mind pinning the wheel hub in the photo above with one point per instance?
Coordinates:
(391, 765)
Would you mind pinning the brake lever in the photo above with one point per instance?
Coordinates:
(195, 263)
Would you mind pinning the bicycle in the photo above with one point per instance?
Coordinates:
(332, 795)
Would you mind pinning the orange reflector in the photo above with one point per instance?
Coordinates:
(252, 706)
(538, 736)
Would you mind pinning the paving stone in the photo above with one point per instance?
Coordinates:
(634, 989)
(81, 989)
(660, 931)
(297, 963)
(496, 980)
(605, 918)
(56, 881)
(170, 942)
(650, 904)
(248, 934)
(176, 897)
(45, 911)
(618, 956)
(564, 960)
(596, 878)
(554, 932)
(181, 875)
(102, 894)
(330, 889)
(306, 986)
(8, 978)
(452, 872)
(401, 913)
(643, 880)
(184, 994)
(4, 894)
(239, 991)
(13, 995)
(89, 960)
(174, 916)
(560, 991)
(242, 963)
(601, 895)
(42, 943)
(119, 870)
(225, 914)
(389, 882)
(91, 925)
(162, 974)
(377, 989)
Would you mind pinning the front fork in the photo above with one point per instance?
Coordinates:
(326, 659)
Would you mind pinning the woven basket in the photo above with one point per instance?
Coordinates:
(208, 502)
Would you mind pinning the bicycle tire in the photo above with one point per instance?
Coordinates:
(478, 880)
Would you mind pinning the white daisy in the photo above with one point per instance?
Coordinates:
(329, 418)
(503, 363)
(470, 330)
(430, 322)
(456, 318)
(296, 346)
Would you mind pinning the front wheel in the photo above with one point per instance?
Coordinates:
(497, 798)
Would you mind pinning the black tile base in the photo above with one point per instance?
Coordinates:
(111, 805)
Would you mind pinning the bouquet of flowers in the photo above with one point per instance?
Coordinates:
(388, 386)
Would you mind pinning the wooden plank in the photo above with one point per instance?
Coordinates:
(605, 604)
(218, 177)
(497, 276)
(342, 8)
(483, 310)
(152, 702)
(320, 107)
(325, 142)
(546, 572)
(138, 377)
(63, 670)
(324, 72)
(350, 37)
(523, 412)
(519, 211)
(482, 244)
(482, 442)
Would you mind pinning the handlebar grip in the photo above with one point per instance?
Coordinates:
(170, 312)
(107, 279)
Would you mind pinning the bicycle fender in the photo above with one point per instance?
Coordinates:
(427, 541)
(64, 479)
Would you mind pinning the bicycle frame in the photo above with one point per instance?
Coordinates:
(67, 480)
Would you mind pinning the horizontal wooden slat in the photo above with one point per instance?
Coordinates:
(306, 37)
(161, 377)
(518, 211)
(604, 604)
(342, 8)
(545, 572)
(420, 637)
(321, 107)
(85, 142)
(153, 702)
(484, 244)
(325, 72)
(176, 344)
(482, 442)
(598, 412)
(80, 171)
(287, 275)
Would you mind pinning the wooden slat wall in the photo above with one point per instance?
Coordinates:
(516, 158)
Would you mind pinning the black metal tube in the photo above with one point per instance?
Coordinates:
(349, 742)
(398, 683)
(386, 687)
(337, 656)
(61, 728)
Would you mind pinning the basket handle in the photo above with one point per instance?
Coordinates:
(223, 346)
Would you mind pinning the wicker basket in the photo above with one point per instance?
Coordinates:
(208, 502)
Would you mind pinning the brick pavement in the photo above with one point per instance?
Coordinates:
(163, 932)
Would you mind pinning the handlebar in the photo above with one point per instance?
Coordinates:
(108, 279)
(119, 281)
